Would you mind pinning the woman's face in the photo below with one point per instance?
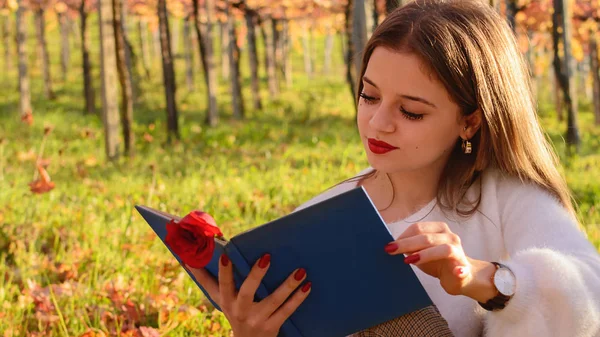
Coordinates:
(405, 107)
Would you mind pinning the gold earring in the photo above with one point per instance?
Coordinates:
(466, 146)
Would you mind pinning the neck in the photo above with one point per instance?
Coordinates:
(411, 190)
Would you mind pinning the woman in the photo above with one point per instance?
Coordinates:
(465, 179)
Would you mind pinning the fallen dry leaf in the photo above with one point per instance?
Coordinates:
(27, 118)
(43, 184)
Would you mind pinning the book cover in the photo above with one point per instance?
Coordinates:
(340, 242)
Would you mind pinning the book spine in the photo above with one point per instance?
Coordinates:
(242, 268)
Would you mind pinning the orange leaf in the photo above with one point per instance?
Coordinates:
(215, 327)
(43, 184)
(27, 118)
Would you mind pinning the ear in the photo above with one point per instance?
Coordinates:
(471, 124)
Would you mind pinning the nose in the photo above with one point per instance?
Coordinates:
(382, 120)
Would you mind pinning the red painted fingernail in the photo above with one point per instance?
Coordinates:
(306, 286)
(264, 261)
(300, 273)
(224, 260)
(391, 247)
(412, 259)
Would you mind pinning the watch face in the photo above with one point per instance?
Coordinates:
(505, 282)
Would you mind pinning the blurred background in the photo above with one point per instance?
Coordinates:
(241, 108)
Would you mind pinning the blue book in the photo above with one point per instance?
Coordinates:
(340, 242)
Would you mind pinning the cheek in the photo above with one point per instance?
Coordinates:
(362, 118)
(427, 136)
(434, 138)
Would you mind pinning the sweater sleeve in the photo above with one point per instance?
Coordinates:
(556, 267)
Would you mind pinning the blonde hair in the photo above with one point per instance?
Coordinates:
(471, 50)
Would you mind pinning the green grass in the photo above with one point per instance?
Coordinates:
(81, 257)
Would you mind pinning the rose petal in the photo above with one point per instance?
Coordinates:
(202, 220)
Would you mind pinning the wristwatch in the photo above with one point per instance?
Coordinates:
(506, 284)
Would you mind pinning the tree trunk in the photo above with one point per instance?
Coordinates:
(350, 75)
(278, 37)
(565, 68)
(359, 32)
(188, 54)
(391, 5)
(124, 79)
(375, 15)
(88, 88)
(285, 53)
(24, 90)
(156, 42)
(270, 59)
(65, 50)
(308, 65)
(225, 64)
(251, 22)
(110, 110)
(328, 50)
(233, 52)
(558, 99)
(40, 25)
(511, 12)
(8, 61)
(130, 57)
(175, 37)
(75, 33)
(595, 70)
(369, 10)
(168, 71)
(146, 57)
(205, 41)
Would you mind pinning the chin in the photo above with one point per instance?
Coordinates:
(387, 165)
(393, 164)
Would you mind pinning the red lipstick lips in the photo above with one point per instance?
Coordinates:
(379, 147)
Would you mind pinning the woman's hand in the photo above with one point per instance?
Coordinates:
(438, 252)
(249, 318)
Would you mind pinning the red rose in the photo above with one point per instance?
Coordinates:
(192, 238)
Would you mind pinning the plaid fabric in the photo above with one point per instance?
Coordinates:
(421, 323)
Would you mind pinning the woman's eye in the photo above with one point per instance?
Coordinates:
(410, 116)
(368, 99)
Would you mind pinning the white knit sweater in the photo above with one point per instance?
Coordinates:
(524, 227)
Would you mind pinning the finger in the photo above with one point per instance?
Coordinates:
(286, 310)
(423, 227)
(248, 289)
(441, 252)
(207, 281)
(226, 282)
(275, 300)
(419, 242)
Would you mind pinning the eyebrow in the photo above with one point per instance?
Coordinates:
(409, 97)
